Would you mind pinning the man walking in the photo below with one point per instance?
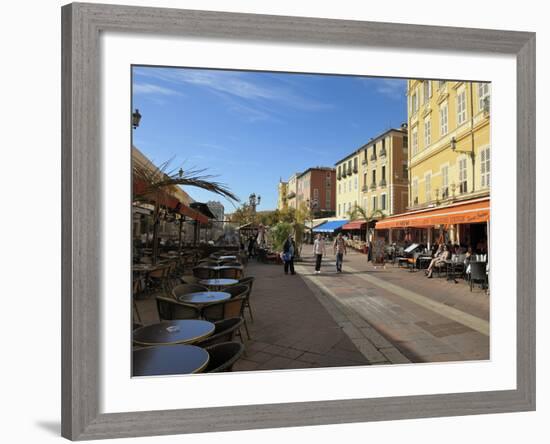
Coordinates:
(318, 251)
(339, 250)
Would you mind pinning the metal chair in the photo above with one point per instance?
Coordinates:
(223, 356)
(249, 282)
(230, 308)
(170, 309)
(478, 273)
(182, 289)
(224, 331)
(230, 273)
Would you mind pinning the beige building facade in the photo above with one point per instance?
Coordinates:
(383, 173)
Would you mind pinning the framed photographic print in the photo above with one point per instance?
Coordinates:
(278, 221)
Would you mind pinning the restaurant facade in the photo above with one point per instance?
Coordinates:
(449, 166)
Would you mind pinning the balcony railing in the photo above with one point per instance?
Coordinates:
(339, 177)
(344, 172)
(349, 171)
(383, 152)
(383, 183)
(364, 188)
(373, 186)
(373, 157)
(291, 195)
(364, 162)
(355, 169)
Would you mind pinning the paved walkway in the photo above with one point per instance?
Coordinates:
(405, 316)
(363, 316)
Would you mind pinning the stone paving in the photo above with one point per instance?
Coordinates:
(363, 316)
(424, 320)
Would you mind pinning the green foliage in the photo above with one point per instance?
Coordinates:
(279, 234)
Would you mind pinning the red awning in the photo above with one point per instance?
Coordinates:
(170, 202)
(474, 211)
(355, 225)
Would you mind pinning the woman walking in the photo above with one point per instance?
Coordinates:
(318, 252)
(289, 248)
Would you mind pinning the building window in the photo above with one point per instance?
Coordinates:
(405, 141)
(414, 103)
(428, 187)
(384, 172)
(414, 141)
(374, 176)
(365, 204)
(349, 185)
(427, 132)
(315, 194)
(427, 90)
(328, 200)
(483, 93)
(443, 119)
(374, 203)
(339, 210)
(355, 180)
(414, 191)
(462, 175)
(485, 164)
(444, 182)
(355, 165)
(383, 202)
(461, 106)
(339, 188)
(442, 84)
(405, 171)
(365, 179)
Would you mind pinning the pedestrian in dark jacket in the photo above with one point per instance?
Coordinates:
(289, 250)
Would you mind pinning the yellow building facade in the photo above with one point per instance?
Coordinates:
(347, 185)
(292, 190)
(282, 191)
(449, 134)
(383, 173)
(449, 164)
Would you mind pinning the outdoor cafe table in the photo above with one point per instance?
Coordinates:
(227, 258)
(169, 360)
(218, 283)
(181, 331)
(204, 297)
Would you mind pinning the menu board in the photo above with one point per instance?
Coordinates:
(378, 250)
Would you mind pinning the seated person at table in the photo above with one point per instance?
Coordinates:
(440, 257)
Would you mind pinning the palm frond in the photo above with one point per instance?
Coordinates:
(156, 178)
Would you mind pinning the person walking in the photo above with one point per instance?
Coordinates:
(289, 249)
(318, 252)
(339, 250)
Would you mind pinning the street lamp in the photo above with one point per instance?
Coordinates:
(254, 201)
(136, 118)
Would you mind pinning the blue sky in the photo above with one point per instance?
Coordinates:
(252, 128)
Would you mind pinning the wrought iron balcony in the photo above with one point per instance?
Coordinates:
(355, 169)
(339, 177)
(373, 157)
(344, 172)
(383, 183)
(364, 162)
(373, 186)
(383, 152)
(364, 188)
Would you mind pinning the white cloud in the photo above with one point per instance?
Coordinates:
(149, 88)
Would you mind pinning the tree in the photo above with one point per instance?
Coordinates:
(279, 234)
(361, 213)
(156, 180)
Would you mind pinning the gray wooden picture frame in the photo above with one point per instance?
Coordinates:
(81, 174)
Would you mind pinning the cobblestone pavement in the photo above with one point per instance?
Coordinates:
(396, 316)
(363, 316)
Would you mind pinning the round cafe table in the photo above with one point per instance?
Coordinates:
(218, 283)
(181, 331)
(227, 258)
(169, 360)
(204, 297)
